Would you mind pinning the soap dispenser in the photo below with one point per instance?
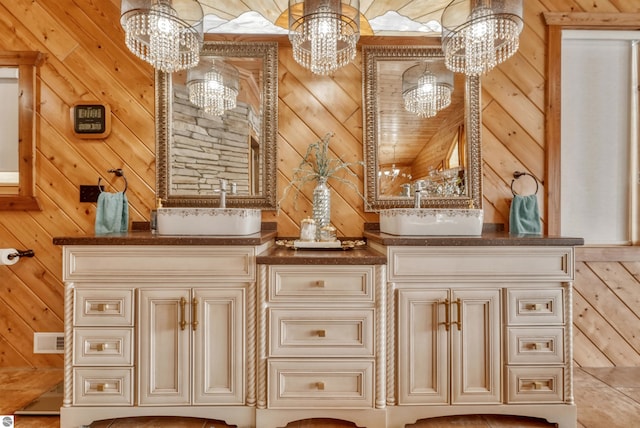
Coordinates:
(153, 217)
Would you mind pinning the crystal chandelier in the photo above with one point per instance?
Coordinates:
(165, 33)
(213, 86)
(427, 88)
(324, 33)
(393, 172)
(477, 35)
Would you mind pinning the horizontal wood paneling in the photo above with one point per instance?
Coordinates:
(87, 61)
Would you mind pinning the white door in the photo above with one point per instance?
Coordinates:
(423, 369)
(164, 347)
(476, 357)
(219, 346)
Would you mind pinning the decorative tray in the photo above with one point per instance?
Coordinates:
(320, 245)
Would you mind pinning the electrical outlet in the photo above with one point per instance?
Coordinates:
(89, 193)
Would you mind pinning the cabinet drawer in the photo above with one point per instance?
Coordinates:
(480, 264)
(320, 384)
(157, 263)
(540, 345)
(102, 347)
(321, 283)
(103, 307)
(540, 306)
(535, 384)
(318, 332)
(103, 387)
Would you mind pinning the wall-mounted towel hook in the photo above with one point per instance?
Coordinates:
(119, 173)
(518, 174)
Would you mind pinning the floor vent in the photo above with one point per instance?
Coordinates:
(48, 343)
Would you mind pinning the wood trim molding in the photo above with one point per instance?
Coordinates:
(27, 63)
(556, 23)
(608, 254)
(594, 21)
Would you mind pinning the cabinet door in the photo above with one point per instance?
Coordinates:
(423, 371)
(218, 345)
(475, 346)
(164, 343)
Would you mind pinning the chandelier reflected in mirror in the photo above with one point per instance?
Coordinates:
(213, 86)
(427, 88)
(477, 35)
(324, 33)
(165, 33)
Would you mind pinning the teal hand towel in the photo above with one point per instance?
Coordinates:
(112, 213)
(524, 217)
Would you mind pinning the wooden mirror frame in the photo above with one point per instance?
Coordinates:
(27, 63)
(268, 52)
(371, 54)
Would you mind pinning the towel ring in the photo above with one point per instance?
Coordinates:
(519, 174)
(118, 172)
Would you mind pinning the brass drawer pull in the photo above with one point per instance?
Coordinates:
(538, 384)
(322, 333)
(319, 283)
(101, 347)
(538, 346)
(195, 314)
(446, 322)
(320, 386)
(101, 387)
(459, 306)
(538, 307)
(447, 314)
(100, 307)
(183, 322)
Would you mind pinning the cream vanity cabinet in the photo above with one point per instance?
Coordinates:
(321, 344)
(479, 329)
(159, 330)
(450, 342)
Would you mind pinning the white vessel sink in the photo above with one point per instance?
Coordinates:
(209, 221)
(431, 221)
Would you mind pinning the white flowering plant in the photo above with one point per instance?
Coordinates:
(317, 164)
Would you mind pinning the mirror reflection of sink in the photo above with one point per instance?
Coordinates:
(209, 221)
(431, 221)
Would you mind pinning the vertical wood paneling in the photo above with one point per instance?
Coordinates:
(87, 61)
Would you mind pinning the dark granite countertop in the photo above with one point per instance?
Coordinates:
(148, 238)
(279, 255)
(486, 239)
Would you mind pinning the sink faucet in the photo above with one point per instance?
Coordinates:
(223, 193)
(418, 186)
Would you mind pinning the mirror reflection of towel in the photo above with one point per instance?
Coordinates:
(112, 213)
(525, 215)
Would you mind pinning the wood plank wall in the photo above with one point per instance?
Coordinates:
(87, 61)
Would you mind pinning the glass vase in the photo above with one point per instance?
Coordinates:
(321, 205)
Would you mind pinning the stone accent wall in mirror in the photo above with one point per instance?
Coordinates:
(195, 150)
(400, 147)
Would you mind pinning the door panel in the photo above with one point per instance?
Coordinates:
(163, 360)
(219, 346)
(475, 347)
(423, 360)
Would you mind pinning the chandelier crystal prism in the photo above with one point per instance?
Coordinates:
(477, 35)
(427, 88)
(213, 86)
(165, 33)
(324, 33)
